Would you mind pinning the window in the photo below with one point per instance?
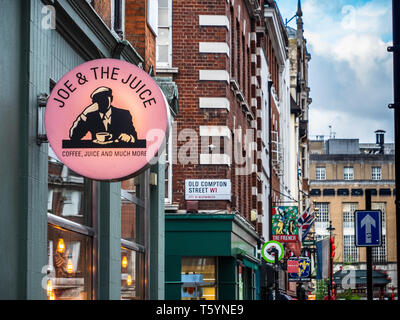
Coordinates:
(322, 221)
(350, 251)
(379, 253)
(198, 276)
(315, 192)
(348, 215)
(133, 234)
(132, 269)
(348, 173)
(328, 192)
(70, 234)
(376, 173)
(168, 168)
(381, 206)
(118, 17)
(320, 173)
(164, 38)
(343, 192)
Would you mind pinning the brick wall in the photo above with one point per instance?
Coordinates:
(103, 9)
(138, 33)
(187, 34)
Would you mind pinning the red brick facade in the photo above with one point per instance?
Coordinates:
(187, 34)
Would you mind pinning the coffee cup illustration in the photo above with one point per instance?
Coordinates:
(103, 137)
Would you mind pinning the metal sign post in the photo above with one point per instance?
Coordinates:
(368, 231)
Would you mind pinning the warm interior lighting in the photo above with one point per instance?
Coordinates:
(129, 280)
(61, 245)
(70, 266)
(124, 262)
(49, 288)
(52, 296)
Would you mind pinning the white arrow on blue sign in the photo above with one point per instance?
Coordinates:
(368, 228)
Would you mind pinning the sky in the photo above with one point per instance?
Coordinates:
(351, 71)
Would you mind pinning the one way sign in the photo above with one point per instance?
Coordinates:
(368, 225)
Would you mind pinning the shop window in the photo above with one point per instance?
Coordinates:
(69, 265)
(70, 235)
(132, 280)
(133, 238)
(198, 276)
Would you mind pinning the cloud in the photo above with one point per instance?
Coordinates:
(350, 70)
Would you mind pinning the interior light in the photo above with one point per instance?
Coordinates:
(124, 262)
(61, 245)
(129, 280)
(49, 288)
(70, 266)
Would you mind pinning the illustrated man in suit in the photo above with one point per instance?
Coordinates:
(101, 116)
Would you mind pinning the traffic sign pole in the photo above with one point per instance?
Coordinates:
(369, 249)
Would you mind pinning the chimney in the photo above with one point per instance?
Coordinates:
(380, 140)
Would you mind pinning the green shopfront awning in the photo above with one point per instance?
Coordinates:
(248, 261)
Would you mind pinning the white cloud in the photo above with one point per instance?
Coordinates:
(350, 70)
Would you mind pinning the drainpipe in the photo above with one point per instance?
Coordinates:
(270, 159)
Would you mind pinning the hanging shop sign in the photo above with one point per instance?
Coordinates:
(270, 249)
(284, 224)
(106, 119)
(208, 189)
(303, 271)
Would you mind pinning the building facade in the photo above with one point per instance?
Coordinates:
(230, 62)
(65, 236)
(341, 171)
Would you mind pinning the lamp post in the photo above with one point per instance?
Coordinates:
(330, 229)
(396, 106)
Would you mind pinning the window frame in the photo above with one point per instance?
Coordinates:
(348, 175)
(376, 173)
(168, 64)
(320, 175)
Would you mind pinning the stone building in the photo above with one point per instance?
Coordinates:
(341, 171)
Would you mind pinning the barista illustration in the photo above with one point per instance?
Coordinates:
(106, 123)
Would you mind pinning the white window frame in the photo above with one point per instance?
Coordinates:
(169, 26)
(348, 216)
(376, 173)
(168, 162)
(320, 173)
(322, 221)
(350, 249)
(348, 173)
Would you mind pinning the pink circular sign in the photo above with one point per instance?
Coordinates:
(106, 119)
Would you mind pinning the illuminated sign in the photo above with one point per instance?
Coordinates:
(106, 119)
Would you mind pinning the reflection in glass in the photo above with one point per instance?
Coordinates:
(66, 192)
(132, 220)
(69, 264)
(198, 278)
(132, 275)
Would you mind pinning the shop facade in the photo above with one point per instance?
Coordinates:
(64, 236)
(210, 257)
